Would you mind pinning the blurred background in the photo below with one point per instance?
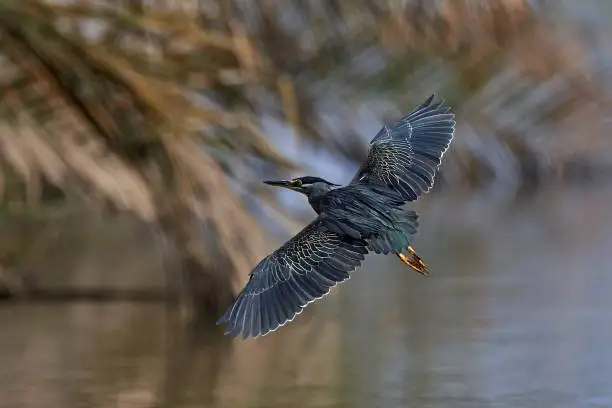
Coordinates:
(134, 136)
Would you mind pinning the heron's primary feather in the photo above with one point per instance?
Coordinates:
(405, 156)
(302, 270)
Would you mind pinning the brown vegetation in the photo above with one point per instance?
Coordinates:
(102, 112)
(151, 107)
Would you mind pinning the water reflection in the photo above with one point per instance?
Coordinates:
(516, 314)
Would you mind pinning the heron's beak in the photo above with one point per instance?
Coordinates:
(280, 183)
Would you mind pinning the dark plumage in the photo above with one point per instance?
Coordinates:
(406, 155)
(366, 215)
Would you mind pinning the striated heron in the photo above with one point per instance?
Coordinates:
(365, 215)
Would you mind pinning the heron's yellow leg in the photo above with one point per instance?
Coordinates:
(414, 261)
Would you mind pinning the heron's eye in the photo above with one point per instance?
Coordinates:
(296, 182)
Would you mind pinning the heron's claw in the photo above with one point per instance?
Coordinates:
(414, 261)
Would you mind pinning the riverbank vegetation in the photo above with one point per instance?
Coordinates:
(158, 110)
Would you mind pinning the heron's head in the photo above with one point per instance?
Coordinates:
(305, 185)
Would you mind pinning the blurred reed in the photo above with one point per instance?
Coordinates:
(155, 107)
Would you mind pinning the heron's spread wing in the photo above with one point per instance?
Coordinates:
(406, 155)
(282, 284)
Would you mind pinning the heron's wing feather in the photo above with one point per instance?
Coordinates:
(406, 155)
(301, 271)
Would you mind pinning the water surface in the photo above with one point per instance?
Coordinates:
(515, 314)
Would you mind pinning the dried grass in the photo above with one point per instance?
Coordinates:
(77, 112)
(138, 105)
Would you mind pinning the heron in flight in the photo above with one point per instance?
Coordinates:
(365, 215)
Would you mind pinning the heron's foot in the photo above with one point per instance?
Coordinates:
(414, 261)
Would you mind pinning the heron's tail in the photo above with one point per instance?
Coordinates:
(398, 236)
(396, 240)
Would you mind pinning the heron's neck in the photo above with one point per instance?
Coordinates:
(316, 195)
(316, 203)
